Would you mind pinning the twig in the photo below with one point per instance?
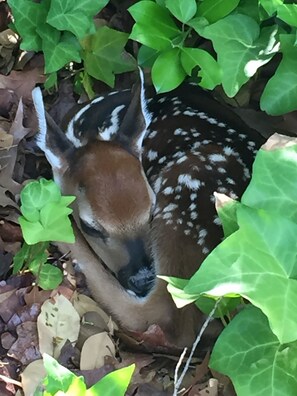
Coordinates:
(180, 360)
(10, 380)
(178, 381)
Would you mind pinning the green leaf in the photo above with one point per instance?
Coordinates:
(226, 306)
(182, 10)
(176, 288)
(250, 8)
(227, 208)
(20, 258)
(241, 48)
(250, 354)
(213, 10)
(74, 16)
(115, 383)
(209, 72)
(28, 15)
(147, 56)
(49, 277)
(288, 13)
(280, 93)
(258, 262)
(59, 48)
(274, 183)
(87, 84)
(36, 194)
(51, 80)
(58, 377)
(154, 25)
(53, 223)
(270, 6)
(104, 54)
(167, 71)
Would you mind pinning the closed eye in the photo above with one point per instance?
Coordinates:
(92, 231)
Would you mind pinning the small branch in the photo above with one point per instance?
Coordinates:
(178, 381)
(10, 380)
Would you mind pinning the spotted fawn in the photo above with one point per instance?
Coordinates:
(144, 169)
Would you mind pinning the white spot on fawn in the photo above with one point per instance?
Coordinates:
(192, 184)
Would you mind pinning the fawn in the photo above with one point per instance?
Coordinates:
(144, 172)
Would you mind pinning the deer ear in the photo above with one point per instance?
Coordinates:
(50, 138)
(136, 121)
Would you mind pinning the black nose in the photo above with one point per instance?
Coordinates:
(140, 282)
(139, 274)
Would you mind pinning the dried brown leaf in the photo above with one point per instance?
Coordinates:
(32, 376)
(57, 322)
(277, 141)
(25, 348)
(94, 351)
(8, 157)
(22, 82)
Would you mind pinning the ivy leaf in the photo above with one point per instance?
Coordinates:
(213, 10)
(20, 258)
(38, 193)
(28, 15)
(167, 71)
(147, 56)
(241, 48)
(257, 262)
(251, 355)
(53, 223)
(226, 208)
(49, 277)
(288, 13)
(74, 16)
(115, 383)
(104, 54)
(182, 10)
(176, 288)
(59, 48)
(58, 377)
(280, 93)
(154, 25)
(273, 186)
(270, 6)
(209, 72)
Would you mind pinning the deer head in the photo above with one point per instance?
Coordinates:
(114, 201)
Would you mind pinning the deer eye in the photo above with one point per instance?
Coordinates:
(93, 231)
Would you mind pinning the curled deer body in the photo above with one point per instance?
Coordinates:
(144, 173)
